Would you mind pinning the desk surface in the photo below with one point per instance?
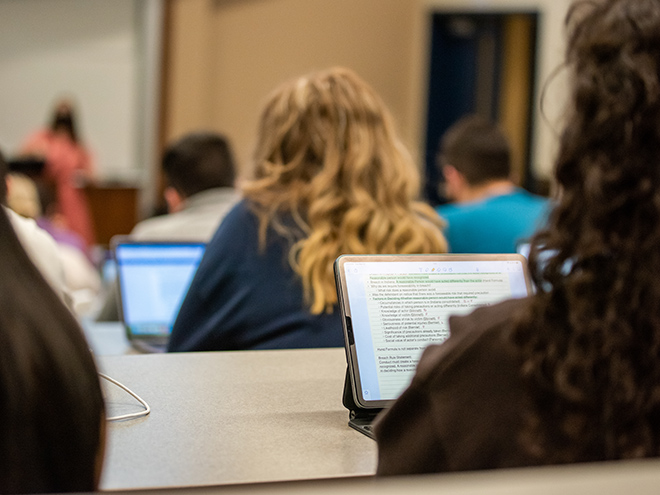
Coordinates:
(231, 417)
(640, 477)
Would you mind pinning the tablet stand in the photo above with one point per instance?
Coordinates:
(359, 417)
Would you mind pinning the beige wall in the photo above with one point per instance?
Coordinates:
(227, 55)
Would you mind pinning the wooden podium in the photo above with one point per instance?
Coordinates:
(114, 210)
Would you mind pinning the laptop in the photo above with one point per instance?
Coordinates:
(153, 279)
(393, 306)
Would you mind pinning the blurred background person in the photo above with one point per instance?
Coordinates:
(40, 246)
(489, 213)
(81, 278)
(22, 195)
(572, 373)
(200, 174)
(68, 164)
(331, 177)
(52, 412)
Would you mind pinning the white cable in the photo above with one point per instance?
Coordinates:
(138, 414)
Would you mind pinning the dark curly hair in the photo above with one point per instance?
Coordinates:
(590, 339)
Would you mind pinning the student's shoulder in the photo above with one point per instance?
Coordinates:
(445, 208)
(524, 196)
(240, 213)
(485, 329)
(41, 248)
(154, 228)
(237, 233)
(452, 211)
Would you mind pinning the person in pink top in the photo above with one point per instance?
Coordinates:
(68, 166)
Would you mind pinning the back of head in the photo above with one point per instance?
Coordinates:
(607, 168)
(23, 196)
(590, 341)
(64, 119)
(51, 406)
(198, 162)
(330, 129)
(327, 156)
(478, 149)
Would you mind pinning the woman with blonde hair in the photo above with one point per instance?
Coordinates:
(331, 177)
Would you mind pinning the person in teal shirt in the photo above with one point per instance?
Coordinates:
(488, 212)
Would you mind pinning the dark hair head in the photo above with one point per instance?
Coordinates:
(198, 162)
(477, 149)
(51, 406)
(64, 120)
(591, 339)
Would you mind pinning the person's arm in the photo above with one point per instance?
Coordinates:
(87, 163)
(42, 250)
(85, 172)
(35, 145)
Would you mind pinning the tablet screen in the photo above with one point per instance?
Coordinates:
(395, 307)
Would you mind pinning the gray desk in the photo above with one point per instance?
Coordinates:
(612, 478)
(231, 417)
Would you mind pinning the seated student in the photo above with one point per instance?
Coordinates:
(331, 177)
(199, 173)
(572, 373)
(52, 411)
(489, 213)
(81, 279)
(39, 245)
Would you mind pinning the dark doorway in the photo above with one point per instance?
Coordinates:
(484, 64)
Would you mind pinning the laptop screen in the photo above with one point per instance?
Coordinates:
(394, 306)
(154, 278)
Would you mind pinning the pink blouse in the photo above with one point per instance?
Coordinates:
(67, 165)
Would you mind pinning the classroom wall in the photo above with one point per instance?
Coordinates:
(227, 55)
(82, 48)
(106, 56)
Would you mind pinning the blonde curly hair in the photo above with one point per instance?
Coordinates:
(327, 156)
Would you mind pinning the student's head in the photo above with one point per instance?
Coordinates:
(51, 406)
(327, 156)
(23, 195)
(607, 168)
(197, 162)
(591, 342)
(477, 149)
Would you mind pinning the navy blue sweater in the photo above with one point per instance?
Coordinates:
(244, 298)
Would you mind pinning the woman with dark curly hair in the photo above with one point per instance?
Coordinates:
(572, 373)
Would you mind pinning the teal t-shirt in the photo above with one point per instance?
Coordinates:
(494, 225)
